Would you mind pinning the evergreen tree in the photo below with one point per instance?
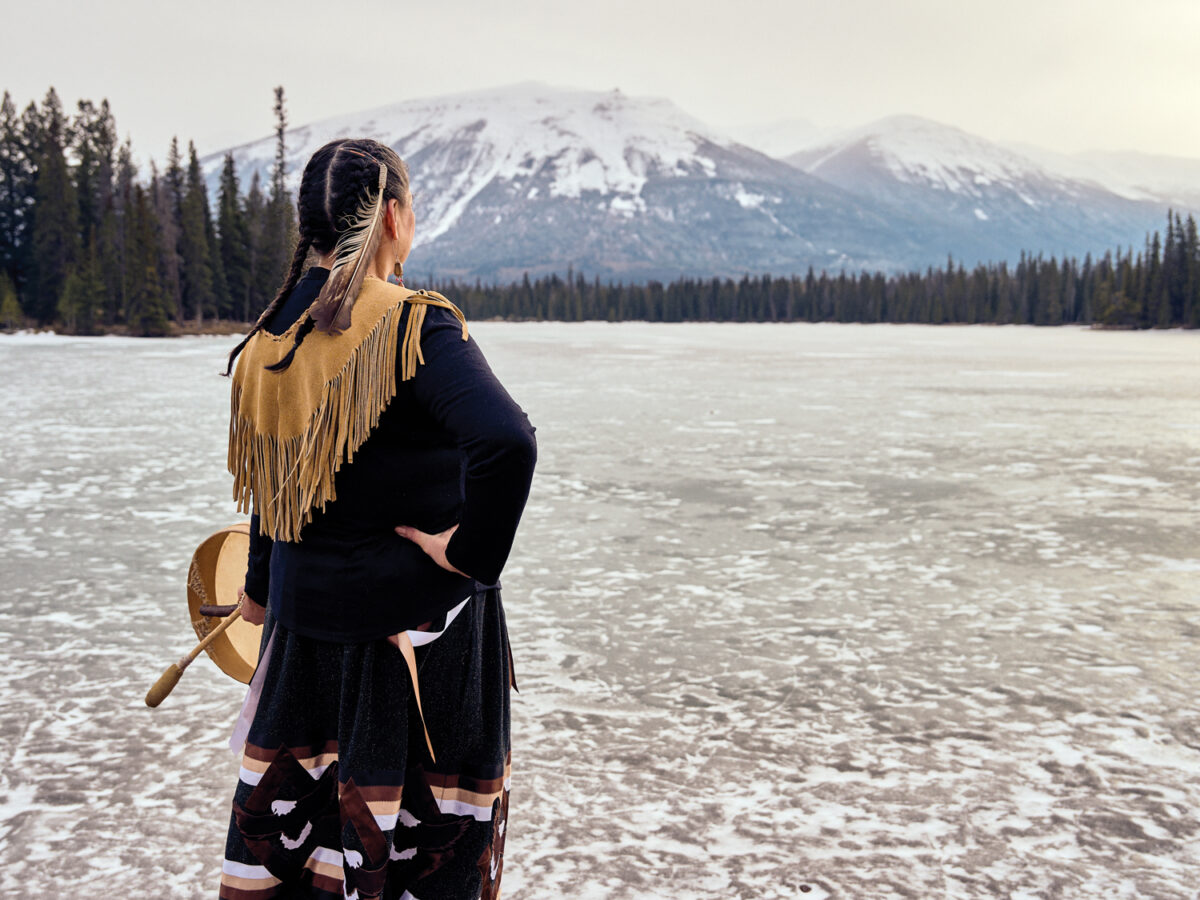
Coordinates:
(147, 303)
(234, 237)
(93, 140)
(56, 214)
(95, 295)
(1085, 291)
(1130, 286)
(279, 170)
(107, 253)
(166, 221)
(173, 178)
(279, 221)
(82, 301)
(221, 302)
(1157, 309)
(10, 309)
(71, 302)
(94, 143)
(1068, 292)
(196, 265)
(1175, 270)
(170, 212)
(262, 278)
(17, 177)
(1050, 311)
(117, 272)
(1191, 303)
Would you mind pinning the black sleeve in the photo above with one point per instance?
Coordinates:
(457, 387)
(258, 568)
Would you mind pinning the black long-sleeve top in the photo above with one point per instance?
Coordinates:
(451, 447)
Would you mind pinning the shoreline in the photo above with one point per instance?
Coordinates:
(228, 328)
(224, 328)
(219, 328)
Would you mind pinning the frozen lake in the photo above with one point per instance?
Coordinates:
(801, 610)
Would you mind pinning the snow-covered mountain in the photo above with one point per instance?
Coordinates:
(534, 179)
(982, 200)
(1170, 180)
(531, 178)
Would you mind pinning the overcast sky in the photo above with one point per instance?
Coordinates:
(1064, 74)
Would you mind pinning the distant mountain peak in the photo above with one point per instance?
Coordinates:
(538, 178)
(920, 150)
(560, 142)
(908, 122)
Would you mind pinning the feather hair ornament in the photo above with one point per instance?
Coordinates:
(353, 253)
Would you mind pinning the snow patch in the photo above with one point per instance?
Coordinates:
(746, 199)
(627, 206)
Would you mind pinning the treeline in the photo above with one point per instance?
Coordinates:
(88, 246)
(1157, 287)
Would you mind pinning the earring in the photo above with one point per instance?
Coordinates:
(399, 272)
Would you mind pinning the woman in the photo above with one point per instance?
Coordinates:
(387, 470)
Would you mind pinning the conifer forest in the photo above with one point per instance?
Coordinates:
(90, 244)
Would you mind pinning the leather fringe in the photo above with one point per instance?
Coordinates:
(293, 477)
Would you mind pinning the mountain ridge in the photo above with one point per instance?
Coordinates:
(532, 178)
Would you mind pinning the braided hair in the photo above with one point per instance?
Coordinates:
(334, 183)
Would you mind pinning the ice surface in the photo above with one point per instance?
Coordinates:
(786, 611)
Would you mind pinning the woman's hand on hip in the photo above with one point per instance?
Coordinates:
(434, 545)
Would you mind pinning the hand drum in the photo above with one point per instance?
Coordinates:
(217, 571)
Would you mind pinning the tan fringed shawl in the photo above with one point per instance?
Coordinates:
(290, 431)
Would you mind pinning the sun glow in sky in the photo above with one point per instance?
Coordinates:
(1068, 75)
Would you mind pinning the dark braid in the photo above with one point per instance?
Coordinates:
(305, 327)
(331, 188)
(309, 236)
(298, 258)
